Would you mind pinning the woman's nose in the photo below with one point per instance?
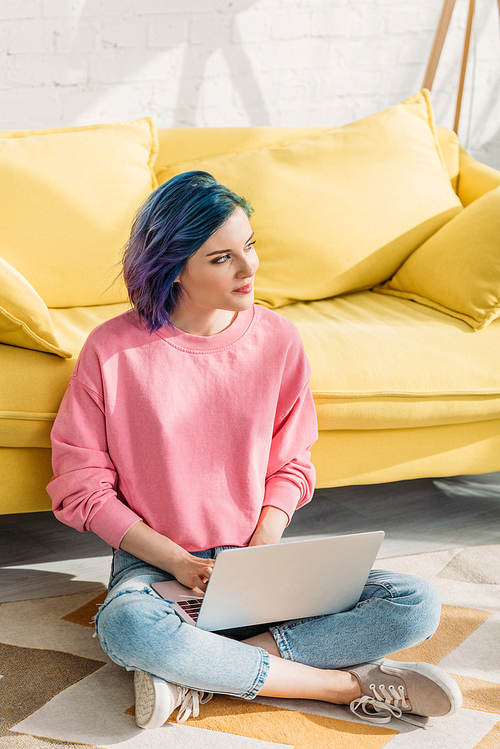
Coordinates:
(248, 267)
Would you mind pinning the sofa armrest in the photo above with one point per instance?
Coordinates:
(475, 178)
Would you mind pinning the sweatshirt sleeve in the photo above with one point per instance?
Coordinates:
(84, 487)
(291, 476)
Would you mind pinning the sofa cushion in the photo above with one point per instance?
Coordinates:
(380, 362)
(67, 200)
(475, 178)
(457, 271)
(179, 144)
(24, 317)
(33, 383)
(448, 143)
(343, 209)
(194, 143)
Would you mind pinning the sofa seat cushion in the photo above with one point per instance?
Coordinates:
(378, 362)
(33, 383)
(381, 362)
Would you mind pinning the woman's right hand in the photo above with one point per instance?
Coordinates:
(150, 546)
(193, 572)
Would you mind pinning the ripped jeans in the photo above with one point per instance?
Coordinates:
(140, 631)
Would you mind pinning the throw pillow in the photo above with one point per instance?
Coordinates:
(24, 318)
(67, 200)
(341, 210)
(457, 271)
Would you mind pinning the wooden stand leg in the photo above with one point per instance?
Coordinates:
(437, 47)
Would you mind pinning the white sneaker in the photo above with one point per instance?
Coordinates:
(156, 700)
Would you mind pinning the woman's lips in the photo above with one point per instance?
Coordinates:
(244, 289)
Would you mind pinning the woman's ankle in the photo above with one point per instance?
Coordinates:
(292, 680)
(344, 688)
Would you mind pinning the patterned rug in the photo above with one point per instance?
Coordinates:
(58, 689)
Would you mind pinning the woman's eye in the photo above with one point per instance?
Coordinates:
(219, 260)
(222, 258)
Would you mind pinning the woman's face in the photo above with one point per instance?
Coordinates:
(220, 275)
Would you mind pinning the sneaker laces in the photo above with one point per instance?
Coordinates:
(383, 706)
(189, 702)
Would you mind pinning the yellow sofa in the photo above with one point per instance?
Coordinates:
(406, 383)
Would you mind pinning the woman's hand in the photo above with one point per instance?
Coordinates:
(192, 571)
(272, 523)
(147, 544)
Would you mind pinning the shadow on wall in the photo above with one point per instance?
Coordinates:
(489, 152)
(479, 108)
(239, 65)
(219, 35)
(487, 112)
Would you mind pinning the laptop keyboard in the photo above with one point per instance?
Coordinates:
(191, 606)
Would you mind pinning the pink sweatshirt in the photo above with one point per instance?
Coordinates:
(191, 434)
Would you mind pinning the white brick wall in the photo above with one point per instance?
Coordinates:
(240, 62)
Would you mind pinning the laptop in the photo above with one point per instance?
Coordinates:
(278, 582)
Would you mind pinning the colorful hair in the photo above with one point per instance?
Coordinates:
(170, 226)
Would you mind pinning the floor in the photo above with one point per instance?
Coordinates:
(40, 557)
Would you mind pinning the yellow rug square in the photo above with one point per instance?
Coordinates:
(300, 730)
(479, 695)
(491, 740)
(85, 614)
(456, 624)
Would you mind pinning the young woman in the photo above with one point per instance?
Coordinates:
(186, 428)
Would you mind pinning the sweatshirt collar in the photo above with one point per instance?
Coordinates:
(188, 342)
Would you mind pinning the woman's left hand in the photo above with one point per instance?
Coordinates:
(272, 523)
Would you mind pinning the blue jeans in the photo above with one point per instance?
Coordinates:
(140, 631)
